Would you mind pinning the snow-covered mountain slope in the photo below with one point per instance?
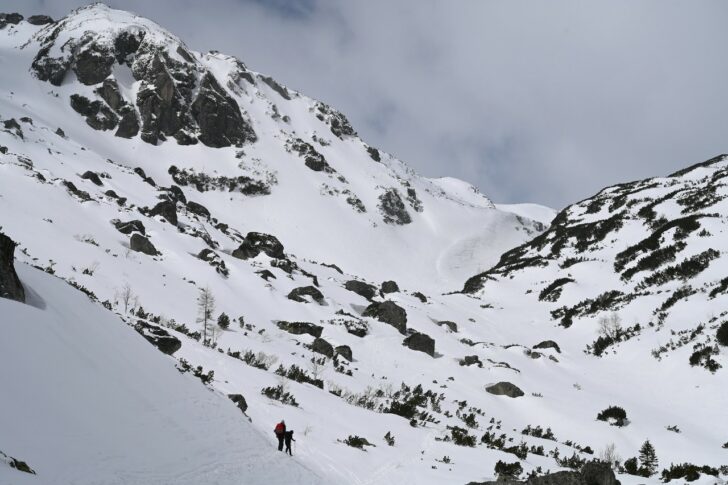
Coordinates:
(274, 160)
(86, 400)
(165, 180)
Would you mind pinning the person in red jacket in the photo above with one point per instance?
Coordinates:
(280, 432)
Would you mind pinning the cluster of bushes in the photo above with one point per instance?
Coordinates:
(687, 471)
(689, 268)
(553, 291)
(297, 374)
(206, 377)
(203, 182)
(357, 442)
(260, 360)
(278, 393)
(655, 259)
(703, 357)
(614, 415)
(606, 301)
(538, 432)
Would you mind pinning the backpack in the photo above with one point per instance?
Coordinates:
(280, 428)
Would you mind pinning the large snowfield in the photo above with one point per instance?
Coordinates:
(85, 399)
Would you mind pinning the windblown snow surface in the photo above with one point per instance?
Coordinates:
(342, 211)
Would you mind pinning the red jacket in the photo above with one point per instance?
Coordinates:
(280, 428)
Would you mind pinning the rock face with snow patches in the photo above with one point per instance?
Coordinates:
(10, 285)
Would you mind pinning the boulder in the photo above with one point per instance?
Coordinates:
(548, 344)
(321, 346)
(451, 325)
(198, 209)
(10, 18)
(345, 352)
(166, 209)
(129, 226)
(257, 242)
(239, 401)
(297, 294)
(469, 360)
(160, 338)
(360, 288)
(39, 20)
(505, 389)
(420, 296)
(109, 92)
(266, 274)
(300, 328)
(10, 285)
(93, 177)
(128, 124)
(141, 244)
(389, 287)
(389, 313)
(420, 342)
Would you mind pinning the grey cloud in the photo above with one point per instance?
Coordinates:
(530, 101)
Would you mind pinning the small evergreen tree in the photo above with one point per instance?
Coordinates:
(648, 460)
(205, 308)
(389, 438)
(223, 321)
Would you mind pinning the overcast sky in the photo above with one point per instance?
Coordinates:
(531, 101)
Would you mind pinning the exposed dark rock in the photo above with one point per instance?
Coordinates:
(141, 244)
(72, 189)
(266, 274)
(312, 159)
(93, 177)
(140, 171)
(257, 242)
(129, 122)
(239, 401)
(39, 20)
(420, 342)
(505, 389)
(321, 346)
(218, 116)
(198, 209)
(98, 115)
(338, 124)
(300, 328)
(389, 287)
(13, 126)
(392, 208)
(10, 18)
(374, 153)
(214, 260)
(360, 288)
(451, 325)
(203, 182)
(297, 294)
(175, 194)
(27, 119)
(109, 92)
(126, 44)
(129, 226)
(162, 106)
(534, 355)
(93, 64)
(390, 313)
(166, 209)
(3, 149)
(158, 337)
(345, 352)
(10, 285)
(471, 360)
(284, 265)
(548, 344)
(420, 297)
(276, 87)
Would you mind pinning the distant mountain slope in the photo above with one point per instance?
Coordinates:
(87, 401)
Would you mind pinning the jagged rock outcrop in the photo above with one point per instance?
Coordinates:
(300, 328)
(393, 209)
(298, 294)
(10, 18)
(505, 389)
(450, 325)
(166, 209)
(420, 342)
(257, 242)
(10, 285)
(389, 313)
(214, 260)
(420, 296)
(360, 288)
(469, 360)
(548, 344)
(198, 209)
(141, 244)
(158, 337)
(218, 116)
(92, 177)
(39, 20)
(98, 115)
